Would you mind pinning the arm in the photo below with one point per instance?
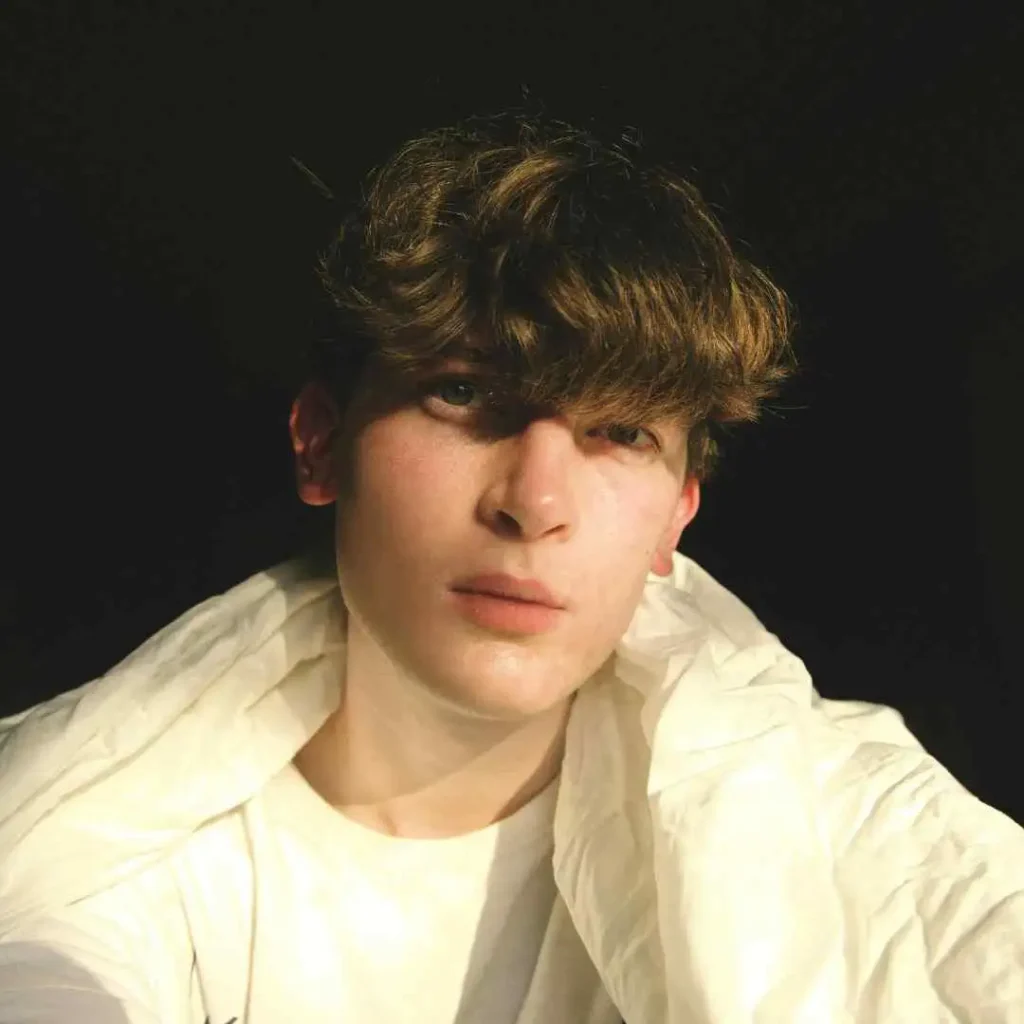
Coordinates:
(118, 957)
(41, 983)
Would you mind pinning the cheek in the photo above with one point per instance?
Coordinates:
(404, 483)
(635, 518)
(632, 543)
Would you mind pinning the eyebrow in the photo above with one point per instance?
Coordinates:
(468, 352)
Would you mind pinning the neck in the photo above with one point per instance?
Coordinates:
(397, 759)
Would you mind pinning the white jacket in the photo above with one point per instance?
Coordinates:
(731, 847)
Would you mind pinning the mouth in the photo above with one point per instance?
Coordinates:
(503, 597)
(511, 588)
(504, 614)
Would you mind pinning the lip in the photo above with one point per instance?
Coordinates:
(510, 587)
(506, 615)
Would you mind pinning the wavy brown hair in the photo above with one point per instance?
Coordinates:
(578, 275)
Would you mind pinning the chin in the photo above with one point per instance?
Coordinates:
(505, 701)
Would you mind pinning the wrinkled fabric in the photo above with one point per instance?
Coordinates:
(730, 846)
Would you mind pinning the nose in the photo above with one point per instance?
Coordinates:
(534, 492)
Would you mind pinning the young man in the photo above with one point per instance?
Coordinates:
(508, 756)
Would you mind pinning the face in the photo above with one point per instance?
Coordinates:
(425, 499)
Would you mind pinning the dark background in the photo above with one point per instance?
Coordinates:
(158, 246)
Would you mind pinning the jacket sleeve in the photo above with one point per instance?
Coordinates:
(812, 874)
(118, 957)
(41, 983)
(932, 882)
(970, 896)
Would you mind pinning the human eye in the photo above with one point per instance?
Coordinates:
(625, 430)
(454, 394)
(433, 391)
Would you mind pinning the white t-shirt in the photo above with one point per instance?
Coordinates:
(285, 910)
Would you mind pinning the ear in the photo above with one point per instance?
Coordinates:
(314, 426)
(683, 514)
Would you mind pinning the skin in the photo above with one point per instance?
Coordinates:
(445, 727)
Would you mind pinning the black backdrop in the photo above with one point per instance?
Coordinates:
(157, 253)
